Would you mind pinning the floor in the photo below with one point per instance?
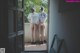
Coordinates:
(38, 47)
(34, 52)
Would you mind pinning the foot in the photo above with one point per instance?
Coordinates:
(41, 42)
(37, 42)
(33, 42)
(45, 41)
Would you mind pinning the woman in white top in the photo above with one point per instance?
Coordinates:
(42, 19)
(33, 18)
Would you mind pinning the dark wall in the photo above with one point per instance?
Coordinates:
(68, 28)
(3, 24)
(66, 24)
(3, 21)
(68, 7)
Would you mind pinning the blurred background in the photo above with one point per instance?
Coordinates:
(31, 3)
(27, 36)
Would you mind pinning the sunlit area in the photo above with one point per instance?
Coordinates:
(35, 26)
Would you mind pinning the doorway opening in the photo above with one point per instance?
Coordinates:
(33, 42)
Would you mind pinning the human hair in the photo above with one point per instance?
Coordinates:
(42, 8)
(33, 10)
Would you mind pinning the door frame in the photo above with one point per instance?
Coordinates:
(47, 26)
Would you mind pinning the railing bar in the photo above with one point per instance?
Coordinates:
(53, 40)
(62, 40)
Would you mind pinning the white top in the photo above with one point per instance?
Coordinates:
(42, 16)
(33, 18)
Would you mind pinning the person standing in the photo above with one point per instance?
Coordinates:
(34, 20)
(42, 19)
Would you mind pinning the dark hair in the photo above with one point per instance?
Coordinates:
(32, 10)
(42, 8)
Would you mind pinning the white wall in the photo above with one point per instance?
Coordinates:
(66, 25)
(53, 10)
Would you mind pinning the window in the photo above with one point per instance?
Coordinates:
(19, 3)
(20, 22)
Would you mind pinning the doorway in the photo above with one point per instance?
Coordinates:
(37, 46)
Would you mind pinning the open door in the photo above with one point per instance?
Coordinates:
(20, 26)
(15, 25)
(36, 41)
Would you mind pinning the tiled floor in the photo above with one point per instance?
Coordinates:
(38, 47)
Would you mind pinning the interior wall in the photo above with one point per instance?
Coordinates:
(3, 25)
(3, 22)
(66, 24)
(53, 13)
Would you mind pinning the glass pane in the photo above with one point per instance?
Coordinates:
(15, 3)
(11, 21)
(10, 3)
(20, 43)
(20, 21)
(19, 3)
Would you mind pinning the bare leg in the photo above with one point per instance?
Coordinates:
(33, 38)
(32, 29)
(37, 32)
(42, 32)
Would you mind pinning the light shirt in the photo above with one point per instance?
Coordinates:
(42, 16)
(33, 18)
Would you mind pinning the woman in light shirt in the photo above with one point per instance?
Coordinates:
(33, 18)
(42, 19)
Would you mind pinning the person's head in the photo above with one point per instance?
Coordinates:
(33, 10)
(42, 9)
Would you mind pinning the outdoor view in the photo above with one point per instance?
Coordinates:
(35, 26)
